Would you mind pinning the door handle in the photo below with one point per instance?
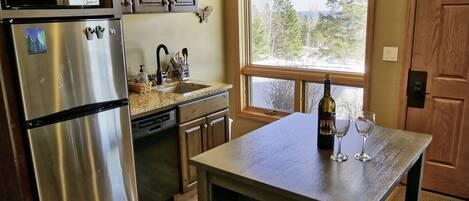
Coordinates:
(417, 89)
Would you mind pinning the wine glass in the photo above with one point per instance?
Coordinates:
(365, 123)
(339, 129)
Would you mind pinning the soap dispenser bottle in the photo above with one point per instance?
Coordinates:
(142, 77)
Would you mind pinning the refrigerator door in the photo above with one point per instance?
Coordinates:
(88, 158)
(61, 67)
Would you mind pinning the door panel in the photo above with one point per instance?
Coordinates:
(447, 115)
(441, 48)
(217, 133)
(70, 69)
(89, 158)
(453, 58)
(192, 143)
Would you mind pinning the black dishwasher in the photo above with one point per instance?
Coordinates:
(156, 156)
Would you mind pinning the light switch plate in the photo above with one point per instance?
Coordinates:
(390, 53)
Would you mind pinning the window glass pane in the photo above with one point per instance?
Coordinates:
(269, 93)
(312, 34)
(345, 97)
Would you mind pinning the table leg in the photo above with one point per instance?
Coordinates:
(203, 187)
(414, 180)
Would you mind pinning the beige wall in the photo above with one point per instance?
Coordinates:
(390, 22)
(144, 32)
(389, 31)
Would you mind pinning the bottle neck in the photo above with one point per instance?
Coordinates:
(327, 89)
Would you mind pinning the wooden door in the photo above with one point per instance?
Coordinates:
(191, 143)
(441, 48)
(218, 131)
(183, 5)
(151, 6)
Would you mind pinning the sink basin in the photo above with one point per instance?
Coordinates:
(181, 88)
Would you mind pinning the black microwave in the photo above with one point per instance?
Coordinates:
(49, 4)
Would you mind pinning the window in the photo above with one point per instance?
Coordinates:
(345, 97)
(272, 94)
(290, 45)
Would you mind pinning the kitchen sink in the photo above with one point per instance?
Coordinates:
(180, 87)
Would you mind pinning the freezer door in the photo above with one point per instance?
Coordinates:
(89, 158)
(60, 68)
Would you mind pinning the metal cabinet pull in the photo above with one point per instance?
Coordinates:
(205, 126)
(126, 2)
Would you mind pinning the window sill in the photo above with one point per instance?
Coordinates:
(260, 115)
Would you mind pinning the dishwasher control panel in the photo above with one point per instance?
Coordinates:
(152, 124)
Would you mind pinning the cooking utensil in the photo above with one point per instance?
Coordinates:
(185, 53)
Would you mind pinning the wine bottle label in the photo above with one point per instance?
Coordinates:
(325, 125)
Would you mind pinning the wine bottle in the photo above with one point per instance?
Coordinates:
(326, 119)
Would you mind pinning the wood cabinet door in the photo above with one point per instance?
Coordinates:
(151, 6)
(441, 48)
(218, 131)
(192, 143)
(183, 5)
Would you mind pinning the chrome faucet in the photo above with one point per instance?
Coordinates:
(159, 75)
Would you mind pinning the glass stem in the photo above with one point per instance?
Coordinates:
(339, 150)
(363, 145)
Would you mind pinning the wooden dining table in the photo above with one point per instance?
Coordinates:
(281, 162)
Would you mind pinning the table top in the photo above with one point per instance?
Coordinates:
(283, 156)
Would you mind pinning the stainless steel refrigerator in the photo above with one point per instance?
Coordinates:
(73, 87)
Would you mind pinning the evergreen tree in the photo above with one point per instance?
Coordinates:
(287, 40)
(260, 48)
(341, 31)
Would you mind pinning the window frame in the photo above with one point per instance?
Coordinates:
(298, 75)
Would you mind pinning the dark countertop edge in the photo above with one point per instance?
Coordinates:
(409, 165)
(251, 182)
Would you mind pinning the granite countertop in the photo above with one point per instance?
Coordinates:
(143, 104)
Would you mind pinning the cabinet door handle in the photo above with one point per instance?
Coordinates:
(126, 2)
(211, 124)
(205, 126)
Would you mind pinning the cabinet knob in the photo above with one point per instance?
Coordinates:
(205, 126)
(126, 2)
(211, 124)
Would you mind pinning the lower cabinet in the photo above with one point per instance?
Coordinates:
(218, 129)
(191, 143)
(198, 136)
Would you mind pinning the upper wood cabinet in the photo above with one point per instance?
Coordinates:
(151, 6)
(158, 6)
(183, 5)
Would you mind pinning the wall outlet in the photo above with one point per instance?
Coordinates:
(390, 53)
